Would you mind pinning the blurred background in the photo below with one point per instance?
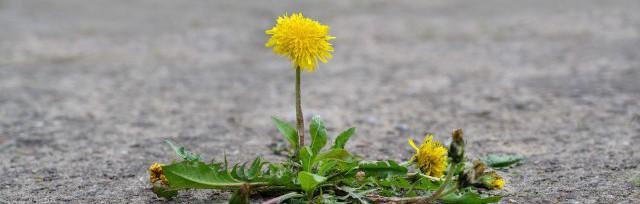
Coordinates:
(90, 89)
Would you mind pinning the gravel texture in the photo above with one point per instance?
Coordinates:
(90, 89)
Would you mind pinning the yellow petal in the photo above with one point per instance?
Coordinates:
(413, 144)
(428, 138)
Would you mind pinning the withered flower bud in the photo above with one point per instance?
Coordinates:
(360, 176)
(479, 168)
(467, 175)
(156, 174)
(456, 148)
(479, 175)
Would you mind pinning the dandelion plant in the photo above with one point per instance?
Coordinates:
(324, 171)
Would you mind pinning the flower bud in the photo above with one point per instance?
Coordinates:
(477, 174)
(491, 181)
(456, 148)
(478, 168)
(360, 176)
(467, 175)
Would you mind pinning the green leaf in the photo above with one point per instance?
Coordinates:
(402, 182)
(163, 192)
(226, 162)
(285, 197)
(309, 181)
(382, 168)
(468, 197)
(240, 171)
(357, 194)
(183, 153)
(197, 174)
(256, 167)
(326, 167)
(280, 175)
(502, 161)
(318, 134)
(306, 158)
(287, 131)
(234, 172)
(331, 199)
(342, 139)
(332, 154)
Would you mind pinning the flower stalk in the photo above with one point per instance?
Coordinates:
(299, 116)
(447, 181)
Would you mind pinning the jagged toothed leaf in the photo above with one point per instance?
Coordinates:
(395, 181)
(342, 138)
(226, 162)
(281, 175)
(197, 174)
(234, 172)
(403, 182)
(318, 134)
(333, 199)
(183, 153)
(309, 181)
(254, 171)
(468, 197)
(357, 194)
(240, 173)
(289, 133)
(255, 168)
(382, 168)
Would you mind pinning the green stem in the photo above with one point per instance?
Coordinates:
(447, 180)
(421, 175)
(411, 188)
(309, 196)
(281, 198)
(299, 117)
(451, 190)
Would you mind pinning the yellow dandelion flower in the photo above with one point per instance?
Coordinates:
(431, 156)
(491, 180)
(303, 40)
(498, 183)
(155, 173)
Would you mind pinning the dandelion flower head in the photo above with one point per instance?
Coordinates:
(431, 156)
(302, 40)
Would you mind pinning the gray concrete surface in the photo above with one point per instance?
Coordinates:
(90, 89)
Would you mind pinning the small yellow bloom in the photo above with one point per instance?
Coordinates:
(303, 40)
(155, 173)
(491, 180)
(431, 156)
(498, 183)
